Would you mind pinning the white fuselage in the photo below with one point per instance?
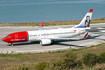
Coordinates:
(55, 33)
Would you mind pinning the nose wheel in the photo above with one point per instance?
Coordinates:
(11, 44)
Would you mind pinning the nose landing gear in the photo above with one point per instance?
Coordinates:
(11, 44)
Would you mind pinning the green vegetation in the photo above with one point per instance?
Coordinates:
(102, 57)
(52, 23)
(69, 62)
(41, 66)
(90, 59)
(65, 62)
(86, 58)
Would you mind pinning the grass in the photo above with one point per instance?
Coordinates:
(29, 60)
(52, 23)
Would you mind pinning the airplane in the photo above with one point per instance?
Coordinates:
(46, 37)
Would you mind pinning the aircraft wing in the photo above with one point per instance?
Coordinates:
(73, 39)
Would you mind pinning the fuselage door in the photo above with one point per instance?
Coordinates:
(16, 36)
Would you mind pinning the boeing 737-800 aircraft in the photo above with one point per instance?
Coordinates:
(48, 36)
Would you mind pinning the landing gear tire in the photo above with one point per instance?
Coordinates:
(52, 42)
(12, 45)
(41, 43)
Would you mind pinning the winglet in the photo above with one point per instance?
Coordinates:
(86, 35)
(41, 26)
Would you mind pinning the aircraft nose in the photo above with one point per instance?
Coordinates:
(4, 39)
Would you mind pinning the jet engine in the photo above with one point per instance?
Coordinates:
(45, 41)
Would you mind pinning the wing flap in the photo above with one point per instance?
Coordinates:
(76, 39)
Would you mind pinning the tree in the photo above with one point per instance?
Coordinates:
(69, 60)
(90, 59)
(41, 66)
(102, 58)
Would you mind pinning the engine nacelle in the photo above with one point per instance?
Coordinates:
(45, 41)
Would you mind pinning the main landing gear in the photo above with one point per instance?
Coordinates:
(52, 42)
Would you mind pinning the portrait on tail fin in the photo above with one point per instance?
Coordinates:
(87, 21)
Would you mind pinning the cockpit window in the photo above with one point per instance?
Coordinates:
(8, 36)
